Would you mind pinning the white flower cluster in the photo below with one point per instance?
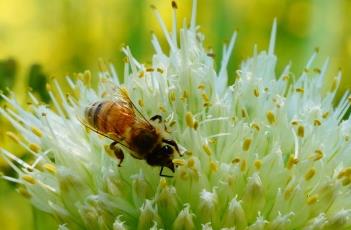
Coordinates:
(267, 152)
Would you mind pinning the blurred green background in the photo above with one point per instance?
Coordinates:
(40, 39)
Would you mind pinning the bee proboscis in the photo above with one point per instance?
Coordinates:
(119, 120)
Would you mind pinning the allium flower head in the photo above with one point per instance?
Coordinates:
(267, 152)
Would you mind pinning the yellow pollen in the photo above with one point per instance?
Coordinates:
(189, 119)
(29, 179)
(13, 136)
(159, 70)
(172, 96)
(255, 126)
(318, 155)
(172, 123)
(34, 147)
(244, 113)
(162, 109)
(258, 164)
(246, 144)
(325, 115)
(201, 86)
(317, 122)
(50, 168)
(256, 92)
(163, 182)
(37, 132)
(185, 95)
(346, 181)
(207, 104)
(191, 163)
(347, 171)
(310, 173)
(317, 70)
(294, 122)
(286, 77)
(301, 131)
(243, 165)
(213, 166)
(270, 117)
(312, 199)
(141, 102)
(288, 193)
(341, 174)
(150, 69)
(178, 162)
(205, 97)
(292, 161)
(141, 74)
(236, 160)
(300, 90)
(207, 149)
(24, 192)
(196, 125)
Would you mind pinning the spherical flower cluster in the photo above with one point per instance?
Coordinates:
(267, 152)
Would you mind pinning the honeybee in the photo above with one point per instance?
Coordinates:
(119, 120)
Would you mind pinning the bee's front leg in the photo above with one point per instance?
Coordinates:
(118, 152)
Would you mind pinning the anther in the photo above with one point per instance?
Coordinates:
(301, 131)
(270, 117)
(29, 179)
(310, 173)
(50, 168)
(246, 144)
(37, 132)
(312, 199)
(213, 166)
(34, 147)
(207, 149)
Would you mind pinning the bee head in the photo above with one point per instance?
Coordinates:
(162, 156)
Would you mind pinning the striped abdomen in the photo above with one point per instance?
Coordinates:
(110, 117)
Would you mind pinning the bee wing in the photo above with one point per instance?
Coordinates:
(124, 96)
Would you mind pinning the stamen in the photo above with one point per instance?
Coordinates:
(207, 149)
(258, 164)
(246, 144)
(301, 131)
(310, 173)
(37, 132)
(270, 117)
(50, 168)
(34, 147)
(179, 162)
(24, 192)
(213, 166)
(312, 199)
(29, 179)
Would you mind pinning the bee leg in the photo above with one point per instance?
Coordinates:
(163, 175)
(118, 152)
(172, 143)
(156, 117)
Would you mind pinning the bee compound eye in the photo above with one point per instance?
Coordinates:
(167, 150)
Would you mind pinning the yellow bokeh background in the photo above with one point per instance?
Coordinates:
(68, 36)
